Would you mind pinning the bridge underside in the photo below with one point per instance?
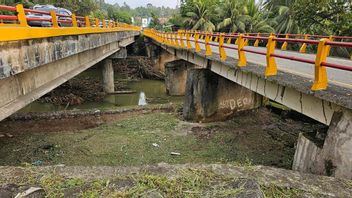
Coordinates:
(30, 69)
(288, 89)
(331, 107)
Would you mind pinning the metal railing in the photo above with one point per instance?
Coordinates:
(15, 27)
(177, 39)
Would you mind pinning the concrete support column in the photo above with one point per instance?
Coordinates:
(176, 76)
(108, 76)
(334, 156)
(210, 97)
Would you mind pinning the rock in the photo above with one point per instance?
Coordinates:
(9, 135)
(152, 195)
(249, 188)
(175, 153)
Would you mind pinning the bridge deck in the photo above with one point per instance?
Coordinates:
(337, 77)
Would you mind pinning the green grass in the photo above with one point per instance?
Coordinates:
(273, 191)
(130, 142)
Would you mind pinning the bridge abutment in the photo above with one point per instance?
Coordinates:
(108, 76)
(210, 97)
(334, 157)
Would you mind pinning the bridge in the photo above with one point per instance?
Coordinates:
(315, 85)
(35, 60)
(219, 74)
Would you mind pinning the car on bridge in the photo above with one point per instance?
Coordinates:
(40, 19)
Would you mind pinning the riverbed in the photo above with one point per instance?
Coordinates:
(154, 91)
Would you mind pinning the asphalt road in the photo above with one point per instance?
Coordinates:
(335, 76)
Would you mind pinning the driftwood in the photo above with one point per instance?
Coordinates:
(124, 92)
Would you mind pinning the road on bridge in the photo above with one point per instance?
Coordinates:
(335, 76)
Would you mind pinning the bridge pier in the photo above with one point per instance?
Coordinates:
(108, 76)
(334, 157)
(158, 55)
(176, 76)
(210, 97)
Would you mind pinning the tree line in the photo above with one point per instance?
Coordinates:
(99, 9)
(325, 17)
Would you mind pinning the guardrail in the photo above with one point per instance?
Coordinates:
(177, 39)
(15, 27)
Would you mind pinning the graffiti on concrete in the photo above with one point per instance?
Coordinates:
(235, 103)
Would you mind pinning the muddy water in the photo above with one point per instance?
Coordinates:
(154, 90)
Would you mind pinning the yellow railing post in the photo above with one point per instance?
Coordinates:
(256, 43)
(208, 51)
(304, 45)
(181, 34)
(87, 21)
(169, 40)
(242, 61)
(177, 44)
(320, 75)
(284, 45)
(222, 51)
(97, 23)
(103, 22)
(271, 67)
(173, 42)
(229, 40)
(236, 42)
(54, 19)
(74, 20)
(216, 38)
(21, 15)
(196, 42)
(246, 41)
(188, 35)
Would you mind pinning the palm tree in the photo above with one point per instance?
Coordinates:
(234, 14)
(284, 15)
(200, 17)
(259, 22)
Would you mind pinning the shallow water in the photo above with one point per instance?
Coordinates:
(154, 91)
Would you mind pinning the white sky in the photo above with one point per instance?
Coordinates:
(136, 3)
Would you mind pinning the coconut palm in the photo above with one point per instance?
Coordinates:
(200, 17)
(284, 15)
(259, 22)
(234, 14)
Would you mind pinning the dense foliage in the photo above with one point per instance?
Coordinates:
(100, 9)
(282, 16)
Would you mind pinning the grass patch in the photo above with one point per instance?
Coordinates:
(273, 191)
(130, 140)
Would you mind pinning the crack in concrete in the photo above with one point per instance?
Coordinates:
(300, 100)
(322, 104)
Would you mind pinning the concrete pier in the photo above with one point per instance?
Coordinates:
(210, 97)
(176, 76)
(108, 76)
(334, 157)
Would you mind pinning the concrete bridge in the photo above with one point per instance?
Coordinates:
(220, 77)
(34, 61)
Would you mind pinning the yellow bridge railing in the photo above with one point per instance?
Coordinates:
(16, 27)
(178, 39)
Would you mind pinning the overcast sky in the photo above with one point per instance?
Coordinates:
(136, 3)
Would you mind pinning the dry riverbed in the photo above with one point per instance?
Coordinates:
(148, 137)
(56, 149)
